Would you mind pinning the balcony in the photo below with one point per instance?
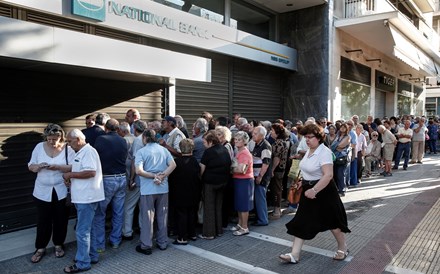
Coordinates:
(394, 31)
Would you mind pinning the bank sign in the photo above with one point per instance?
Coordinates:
(93, 9)
(158, 21)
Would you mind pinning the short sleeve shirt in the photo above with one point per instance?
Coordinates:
(244, 157)
(48, 179)
(311, 164)
(155, 159)
(90, 190)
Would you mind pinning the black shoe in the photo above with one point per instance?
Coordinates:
(341, 194)
(146, 251)
(127, 238)
(394, 167)
(405, 168)
(161, 247)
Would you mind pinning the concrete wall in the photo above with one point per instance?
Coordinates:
(306, 91)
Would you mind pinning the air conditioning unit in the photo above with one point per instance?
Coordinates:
(432, 81)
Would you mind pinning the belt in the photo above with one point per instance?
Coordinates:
(114, 175)
(312, 183)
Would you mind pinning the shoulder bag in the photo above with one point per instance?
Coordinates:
(295, 190)
(68, 197)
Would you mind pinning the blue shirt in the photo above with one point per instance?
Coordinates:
(113, 151)
(155, 159)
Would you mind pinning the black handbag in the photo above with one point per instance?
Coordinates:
(341, 161)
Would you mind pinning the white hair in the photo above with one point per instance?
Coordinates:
(76, 133)
(261, 130)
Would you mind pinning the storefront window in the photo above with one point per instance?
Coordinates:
(355, 100)
(418, 101)
(403, 104)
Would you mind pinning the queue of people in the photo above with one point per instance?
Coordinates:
(228, 166)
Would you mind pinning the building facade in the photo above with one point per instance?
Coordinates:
(61, 60)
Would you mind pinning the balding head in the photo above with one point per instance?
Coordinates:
(111, 125)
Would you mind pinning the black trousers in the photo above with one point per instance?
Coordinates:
(185, 220)
(52, 217)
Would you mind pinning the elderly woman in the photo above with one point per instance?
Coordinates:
(185, 189)
(320, 207)
(181, 125)
(340, 147)
(331, 136)
(372, 152)
(389, 142)
(243, 176)
(49, 160)
(280, 149)
(215, 169)
(224, 135)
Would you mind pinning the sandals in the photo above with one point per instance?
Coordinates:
(38, 255)
(236, 228)
(180, 242)
(288, 258)
(74, 269)
(242, 231)
(59, 251)
(340, 255)
(201, 236)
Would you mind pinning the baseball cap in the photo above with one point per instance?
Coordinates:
(169, 119)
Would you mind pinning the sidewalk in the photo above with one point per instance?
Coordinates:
(395, 227)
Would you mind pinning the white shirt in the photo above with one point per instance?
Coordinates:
(420, 136)
(48, 179)
(302, 145)
(90, 190)
(311, 165)
(404, 131)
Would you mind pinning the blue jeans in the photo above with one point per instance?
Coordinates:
(86, 250)
(353, 172)
(261, 204)
(339, 173)
(402, 149)
(114, 189)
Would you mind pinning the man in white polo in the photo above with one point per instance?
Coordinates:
(87, 189)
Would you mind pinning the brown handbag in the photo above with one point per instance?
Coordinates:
(294, 194)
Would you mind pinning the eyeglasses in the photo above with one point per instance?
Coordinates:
(374, 135)
(309, 136)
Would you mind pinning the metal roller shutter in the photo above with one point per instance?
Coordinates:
(192, 98)
(380, 100)
(31, 100)
(257, 91)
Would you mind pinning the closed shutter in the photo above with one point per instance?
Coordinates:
(192, 98)
(380, 100)
(31, 100)
(257, 91)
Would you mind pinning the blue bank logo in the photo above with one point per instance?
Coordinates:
(94, 9)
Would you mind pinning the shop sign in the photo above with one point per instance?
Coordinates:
(155, 20)
(93, 9)
(385, 81)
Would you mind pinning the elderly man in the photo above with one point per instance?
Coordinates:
(173, 136)
(389, 143)
(132, 192)
(418, 140)
(131, 116)
(113, 151)
(404, 145)
(153, 164)
(261, 151)
(87, 191)
(199, 128)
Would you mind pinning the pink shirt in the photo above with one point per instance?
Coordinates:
(244, 157)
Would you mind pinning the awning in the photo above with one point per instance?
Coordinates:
(393, 35)
(404, 49)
